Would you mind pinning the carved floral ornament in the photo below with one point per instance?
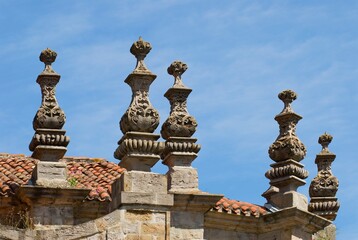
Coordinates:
(325, 139)
(140, 49)
(176, 69)
(49, 115)
(287, 97)
(179, 123)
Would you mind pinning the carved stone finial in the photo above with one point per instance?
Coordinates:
(141, 116)
(287, 144)
(324, 186)
(138, 149)
(325, 139)
(287, 174)
(177, 68)
(140, 49)
(180, 123)
(49, 142)
(180, 149)
(49, 115)
(287, 97)
(48, 56)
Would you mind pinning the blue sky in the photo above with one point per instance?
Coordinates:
(240, 54)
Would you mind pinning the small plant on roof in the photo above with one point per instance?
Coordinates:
(72, 181)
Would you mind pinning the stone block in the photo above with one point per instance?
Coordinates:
(146, 198)
(50, 174)
(186, 225)
(183, 219)
(153, 229)
(137, 181)
(53, 215)
(182, 179)
(328, 233)
(193, 234)
(141, 216)
(138, 237)
(289, 199)
(115, 233)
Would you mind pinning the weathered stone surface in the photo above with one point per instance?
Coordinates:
(178, 155)
(287, 174)
(146, 198)
(215, 234)
(146, 188)
(145, 182)
(50, 174)
(139, 151)
(187, 225)
(290, 199)
(324, 186)
(287, 144)
(49, 142)
(138, 148)
(53, 215)
(183, 179)
(184, 147)
(141, 116)
(328, 233)
(179, 123)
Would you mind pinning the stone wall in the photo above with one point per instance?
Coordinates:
(142, 207)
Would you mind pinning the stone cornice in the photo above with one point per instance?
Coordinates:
(289, 217)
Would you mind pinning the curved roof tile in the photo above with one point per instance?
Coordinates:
(96, 174)
(238, 207)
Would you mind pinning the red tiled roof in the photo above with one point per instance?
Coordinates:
(15, 170)
(92, 173)
(96, 174)
(239, 208)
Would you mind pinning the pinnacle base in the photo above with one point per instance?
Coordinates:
(136, 162)
(49, 153)
(50, 174)
(289, 199)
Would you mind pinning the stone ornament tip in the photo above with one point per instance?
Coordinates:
(140, 48)
(176, 69)
(325, 139)
(287, 97)
(48, 56)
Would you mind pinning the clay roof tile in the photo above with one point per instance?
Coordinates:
(238, 207)
(94, 173)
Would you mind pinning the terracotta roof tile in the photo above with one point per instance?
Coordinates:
(238, 207)
(96, 174)
(15, 170)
